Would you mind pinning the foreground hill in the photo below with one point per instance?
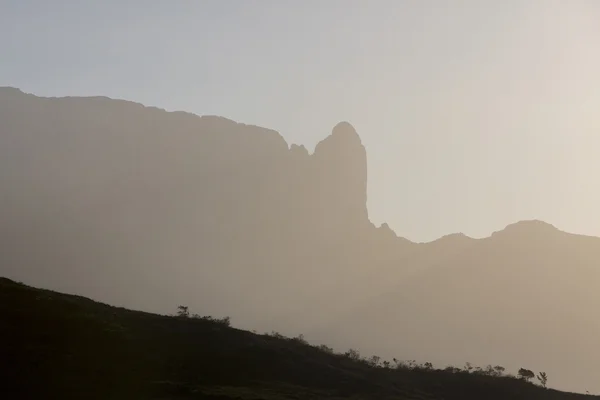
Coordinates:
(132, 205)
(57, 346)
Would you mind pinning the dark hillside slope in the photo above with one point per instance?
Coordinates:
(54, 345)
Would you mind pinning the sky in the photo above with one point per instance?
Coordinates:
(475, 114)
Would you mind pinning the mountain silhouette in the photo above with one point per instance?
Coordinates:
(147, 209)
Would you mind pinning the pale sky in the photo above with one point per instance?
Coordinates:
(475, 114)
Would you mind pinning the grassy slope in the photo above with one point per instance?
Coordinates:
(54, 345)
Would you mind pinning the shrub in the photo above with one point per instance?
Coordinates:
(325, 349)
(182, 311)
(526, 374)
(352, 354)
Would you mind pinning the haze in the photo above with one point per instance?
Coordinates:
(480, 117)
(475, 114)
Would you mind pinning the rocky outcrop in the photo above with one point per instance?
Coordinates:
(341, 162)
(149, 209)
(101, 194)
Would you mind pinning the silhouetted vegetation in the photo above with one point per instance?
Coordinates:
(353, 354)
(182, 311)
(526, 374)
(68, 347)
(325, 349)
(543, 378)
(300, 339)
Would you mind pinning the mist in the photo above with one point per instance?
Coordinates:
(146, 209)
(413, 180)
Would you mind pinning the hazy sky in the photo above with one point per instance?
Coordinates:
(475, 114)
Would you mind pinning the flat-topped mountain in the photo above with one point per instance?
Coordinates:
(148, 209)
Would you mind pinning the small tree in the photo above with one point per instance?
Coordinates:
(526, 374)
(326, 349)
(226, 321)
(411, 364)
(489, 370)
(452, 369)
(182, 311)
(300, 339)
(374, 361)
(427, 366)
(499, 370)
(543, 378)
(276, 335)
(353, 354)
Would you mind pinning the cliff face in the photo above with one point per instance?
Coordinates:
(104, 194)
(342, 161)
(147, 209)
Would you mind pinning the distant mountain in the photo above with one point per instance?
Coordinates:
(527, 295)
(149, 209)
(56, 346)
